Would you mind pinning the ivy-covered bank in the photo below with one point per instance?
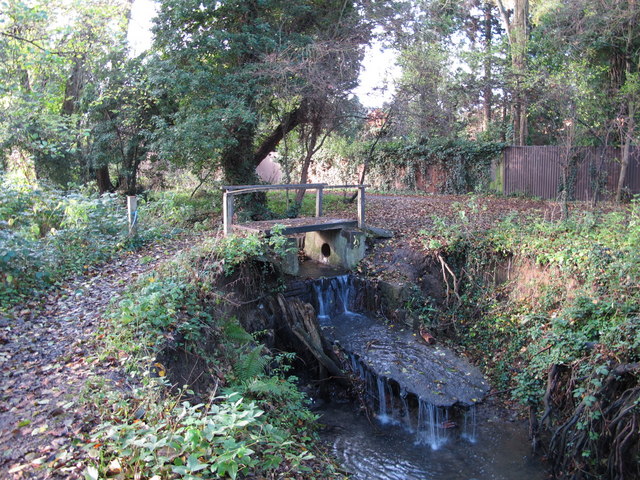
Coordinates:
(241, 416)
(557, 306)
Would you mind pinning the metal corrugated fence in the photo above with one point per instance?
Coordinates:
(538, 171)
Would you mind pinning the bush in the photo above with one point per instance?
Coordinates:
(47, 234)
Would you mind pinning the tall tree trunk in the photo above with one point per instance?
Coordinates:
(103, 179)
(520, 37)
(237, 162)
(518, 34)
(626, 151)
(304, 173)
(631, 109)
(73, 88)
(487, 92)
(311, 147)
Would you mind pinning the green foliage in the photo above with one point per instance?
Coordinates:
(452, 232)
(121, 112)
(235, 250)
(155, 307)
(584, 314)
(47, 234)
(260, 427)
(280, 204)
(177, 209)
(50, 52)
(227, 438)
(217, 99)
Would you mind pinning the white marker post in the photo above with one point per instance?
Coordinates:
(132, 214)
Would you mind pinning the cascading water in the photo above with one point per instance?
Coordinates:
(423, 398)
(394, 400)
(470, 424)
(431, 425)
(321, 301)
(425, 421)
(343, 292)
(332, 296)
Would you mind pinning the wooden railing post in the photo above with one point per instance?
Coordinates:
(227, 212)
(319, 195)
(361, 206)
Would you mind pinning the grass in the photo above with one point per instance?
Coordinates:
(333, 203)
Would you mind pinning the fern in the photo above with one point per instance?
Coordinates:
(267, 387)
(251, 365)
(234, 332)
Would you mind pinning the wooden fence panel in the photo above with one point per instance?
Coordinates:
(538, 171)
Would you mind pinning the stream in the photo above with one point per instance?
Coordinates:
(376, 451)
(425, 415)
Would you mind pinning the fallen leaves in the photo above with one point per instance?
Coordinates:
(44, 363)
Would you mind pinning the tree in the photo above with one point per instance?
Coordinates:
(121, 117)
(518, 34)
(51, 52)
(223, 64)
(606, 37)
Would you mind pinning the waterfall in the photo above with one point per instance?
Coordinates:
(390, 401)
(321, 300)
(343, 291)
(382, 400)
(332, 296)
(427, 421)
(430, 430)
(470, 425)
(405, 414)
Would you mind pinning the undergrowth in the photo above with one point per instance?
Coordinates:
(564, 333)
(249, 422)
(48, 234)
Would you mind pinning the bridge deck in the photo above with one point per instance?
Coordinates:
(297, 225)
(293, 226)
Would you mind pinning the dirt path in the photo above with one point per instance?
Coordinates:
(46, 359)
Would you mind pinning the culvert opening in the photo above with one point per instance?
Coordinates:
(325, 250)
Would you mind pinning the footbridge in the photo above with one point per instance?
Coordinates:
(331, 240)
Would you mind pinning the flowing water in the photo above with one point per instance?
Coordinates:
(426, 421)
(496, 450)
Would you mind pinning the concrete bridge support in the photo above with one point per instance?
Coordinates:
(341, 248)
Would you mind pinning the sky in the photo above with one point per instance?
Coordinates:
(376, 76)
(140, 36)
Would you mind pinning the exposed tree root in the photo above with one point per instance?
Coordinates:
(447, 269)
(600, 436)
(300, 320)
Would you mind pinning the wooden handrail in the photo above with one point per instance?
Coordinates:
(235, 189)
(230, 190)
